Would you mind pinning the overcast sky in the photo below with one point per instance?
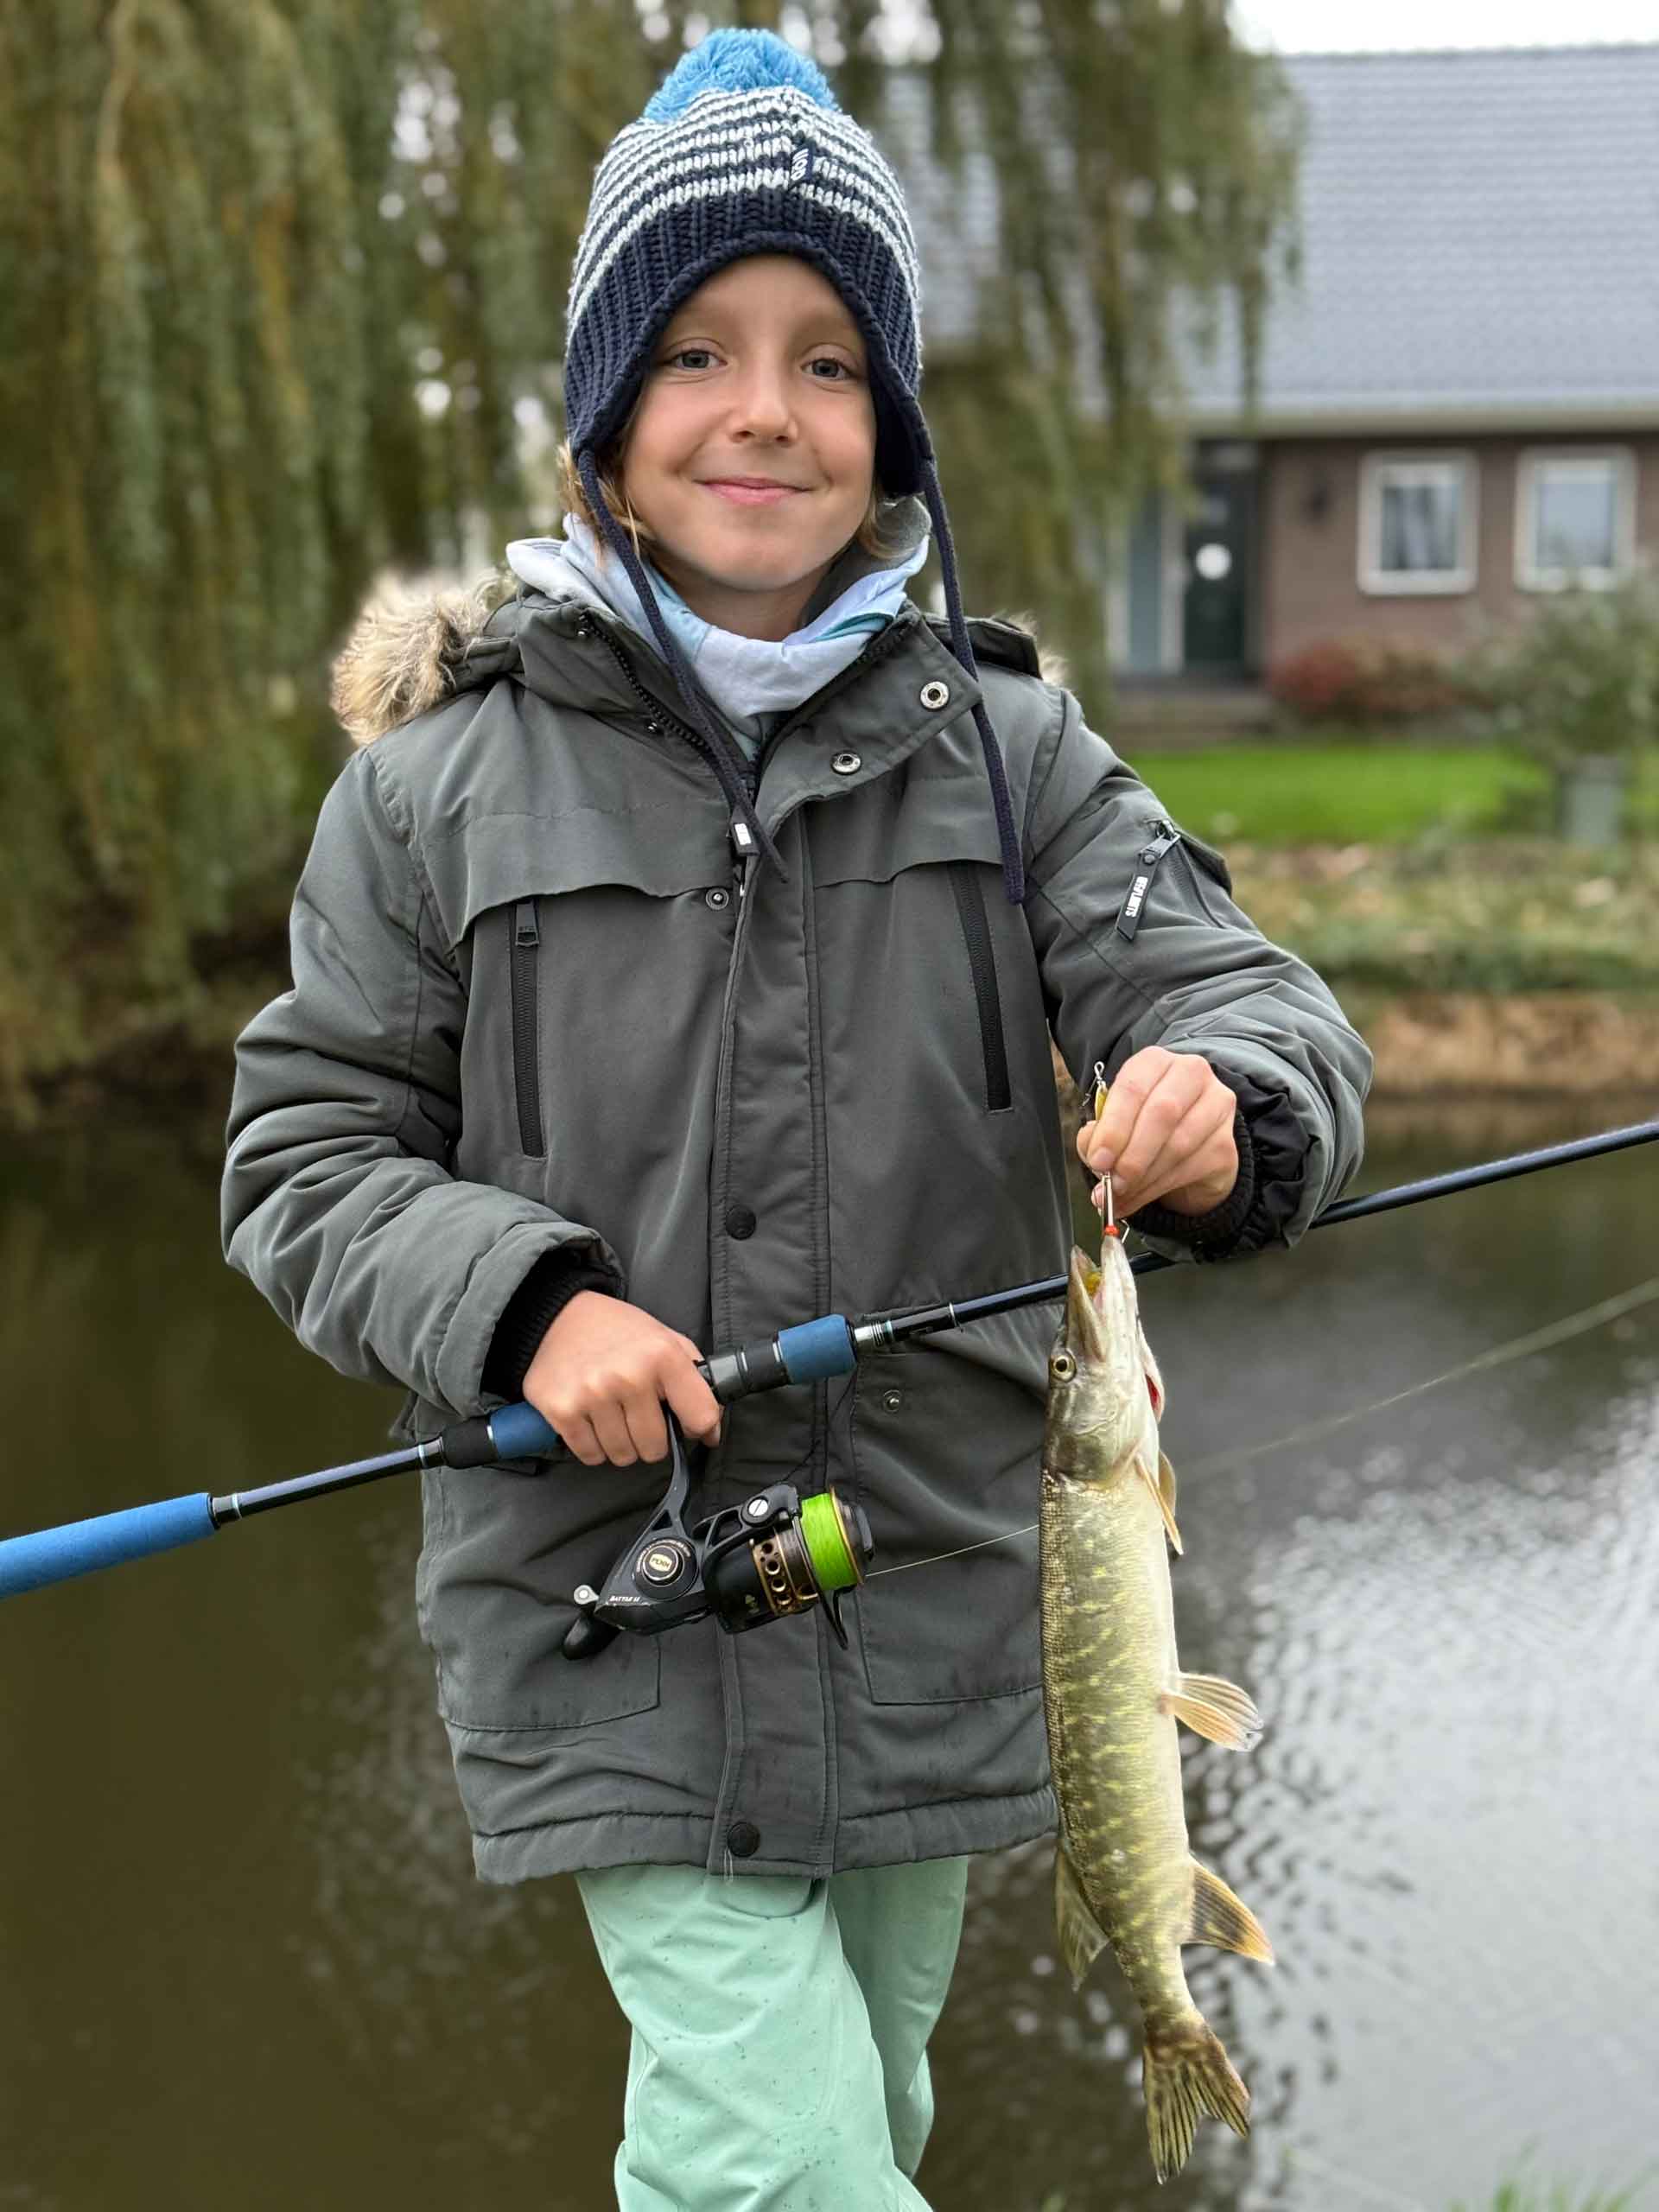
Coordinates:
(1350, 25)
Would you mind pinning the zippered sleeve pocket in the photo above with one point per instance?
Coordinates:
(524, 975)
(1162, 839)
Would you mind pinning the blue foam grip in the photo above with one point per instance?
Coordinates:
(81, 1547)
(520, 1433)
(818, 1348)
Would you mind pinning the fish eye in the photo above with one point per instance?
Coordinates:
(1062, 1367)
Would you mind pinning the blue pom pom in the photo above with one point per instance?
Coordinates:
(736, 61)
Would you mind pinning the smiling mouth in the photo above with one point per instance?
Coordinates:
(750, 495)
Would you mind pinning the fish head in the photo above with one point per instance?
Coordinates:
(1103, 1386)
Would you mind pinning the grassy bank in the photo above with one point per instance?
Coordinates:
(1491, 915)
(1310, 790)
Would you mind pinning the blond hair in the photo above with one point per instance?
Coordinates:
(875, 533)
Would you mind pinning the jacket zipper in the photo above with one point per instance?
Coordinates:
(658, 719)
(527, 1070)
(1149, 858)
(988, 999)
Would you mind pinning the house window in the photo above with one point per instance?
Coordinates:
(1417, 521)
(1574, 518)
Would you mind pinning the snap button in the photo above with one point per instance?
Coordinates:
(716, 897)
(936, 695)
(892, 1400)
(740, 1221)
(846, 764)
(742, 1838)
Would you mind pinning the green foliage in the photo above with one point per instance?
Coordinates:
(1580, 677)
(1497, 916)
(1145, 165)
(284, 285)
(1339, 794)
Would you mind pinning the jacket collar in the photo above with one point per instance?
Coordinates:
(571, 654)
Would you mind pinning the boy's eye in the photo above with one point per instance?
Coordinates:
(703, 353)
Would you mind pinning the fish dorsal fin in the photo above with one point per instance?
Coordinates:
(1162, 1486)
(1218, 1917)
(1081, 1940)
(1215, 1708)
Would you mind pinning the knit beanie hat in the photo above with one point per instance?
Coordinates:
(743, 150)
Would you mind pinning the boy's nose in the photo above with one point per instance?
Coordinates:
(761, 401)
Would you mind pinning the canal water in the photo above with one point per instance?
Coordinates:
(243, 1959)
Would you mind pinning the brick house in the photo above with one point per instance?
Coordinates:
(1461, 402)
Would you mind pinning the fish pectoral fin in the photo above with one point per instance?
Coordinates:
(1082, 1939)
(1219, 1918)
(1162, 1486)
(1215, 1708)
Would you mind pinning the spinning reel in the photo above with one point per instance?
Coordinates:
(772, 1556)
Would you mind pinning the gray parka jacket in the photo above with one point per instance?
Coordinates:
(538, 1023)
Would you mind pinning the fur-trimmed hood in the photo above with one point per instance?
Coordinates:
(414, 645)
(407, 647)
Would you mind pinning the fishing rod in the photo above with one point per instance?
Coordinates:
(791, 1544)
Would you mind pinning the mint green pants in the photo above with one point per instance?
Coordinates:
(779, 2054)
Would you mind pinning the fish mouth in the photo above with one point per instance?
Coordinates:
(1102, 1328)
(1087, 1336)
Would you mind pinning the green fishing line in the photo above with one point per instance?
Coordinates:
(826, 1543)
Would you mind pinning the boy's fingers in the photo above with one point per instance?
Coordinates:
(611, 1427)
(695, 1407)
(577, 1434)
(1200, 1146)
(1159, 1113)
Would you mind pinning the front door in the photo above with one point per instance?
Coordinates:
(1220, 551)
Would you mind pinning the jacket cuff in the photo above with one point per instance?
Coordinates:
(530, 1312)
(1211, 1236)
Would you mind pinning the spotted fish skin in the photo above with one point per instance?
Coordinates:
(1112, 1690)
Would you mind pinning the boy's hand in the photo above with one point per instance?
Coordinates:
(1166, 1133)
(600, 1375)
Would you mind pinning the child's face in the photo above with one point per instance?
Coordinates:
(761, 373)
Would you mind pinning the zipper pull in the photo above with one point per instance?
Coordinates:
(1129, 920)
(524, 928)
(744, 846)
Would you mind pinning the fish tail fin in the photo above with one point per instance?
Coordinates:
(1185, 2074)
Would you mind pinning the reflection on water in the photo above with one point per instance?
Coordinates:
(246, 1960)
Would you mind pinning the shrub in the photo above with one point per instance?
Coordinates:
(1367, 680)
(1580, 677)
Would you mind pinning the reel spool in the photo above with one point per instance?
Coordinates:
(774, 1556)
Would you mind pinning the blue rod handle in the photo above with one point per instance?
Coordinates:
(80, 1547)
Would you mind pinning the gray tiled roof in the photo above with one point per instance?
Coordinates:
(1480, 240)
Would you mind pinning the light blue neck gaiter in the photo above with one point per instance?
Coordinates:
(751, 680)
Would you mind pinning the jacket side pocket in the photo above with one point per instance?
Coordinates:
(525, 985)
(987, 998)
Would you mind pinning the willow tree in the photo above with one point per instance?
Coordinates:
(282, 282)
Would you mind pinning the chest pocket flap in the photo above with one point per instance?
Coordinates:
(660, 847)
(909, 817)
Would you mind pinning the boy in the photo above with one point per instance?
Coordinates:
(679, 960)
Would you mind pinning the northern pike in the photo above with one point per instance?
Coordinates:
(1113, 1691)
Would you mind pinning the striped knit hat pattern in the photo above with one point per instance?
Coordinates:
(742, 150)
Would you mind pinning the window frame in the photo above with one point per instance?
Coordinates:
(1530, 464)
(1420, 582)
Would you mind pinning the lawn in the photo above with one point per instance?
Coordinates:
(1367, 793)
